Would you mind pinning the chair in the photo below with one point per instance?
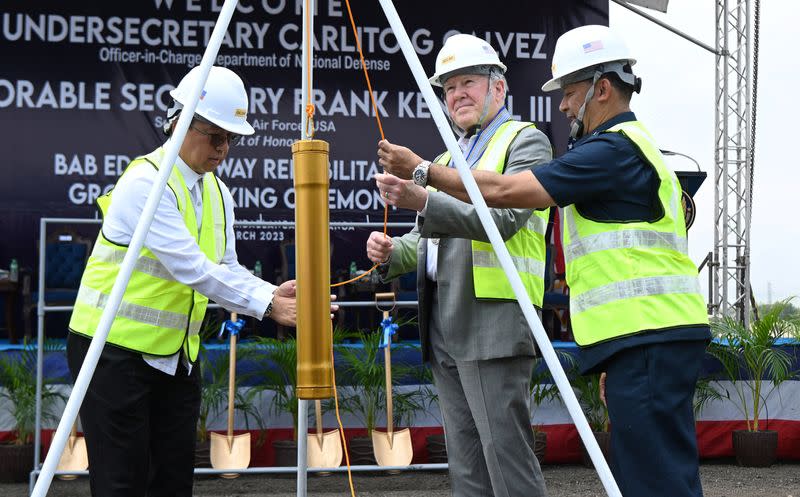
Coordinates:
(405, 286)
(288, 268)
(66, 254)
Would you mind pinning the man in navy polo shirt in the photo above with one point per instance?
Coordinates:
(635, 303)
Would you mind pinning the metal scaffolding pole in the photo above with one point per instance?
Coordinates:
(733, 164)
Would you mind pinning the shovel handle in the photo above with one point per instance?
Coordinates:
(318, 413)
(387, 359)
(231, 382)
(73, 435)
(385, 296)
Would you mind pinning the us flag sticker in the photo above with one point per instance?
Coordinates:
(591, 47)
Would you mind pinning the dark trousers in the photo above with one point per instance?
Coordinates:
(650, 390)
(140, 424)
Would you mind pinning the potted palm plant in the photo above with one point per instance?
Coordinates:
(362, 390)
(755, 366)
(18, 392)
(587, 389)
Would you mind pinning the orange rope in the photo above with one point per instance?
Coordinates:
(380, 128)
(310, 134)
(310, 109)
(309, 131)
(364, 66)
(341, 426)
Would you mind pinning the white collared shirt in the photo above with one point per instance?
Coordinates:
(228, 283)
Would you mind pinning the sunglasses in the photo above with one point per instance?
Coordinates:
(218, 139)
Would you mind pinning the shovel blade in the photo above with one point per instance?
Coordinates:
(394, 450)
(233, 456)
(74, 458)
(325, 453)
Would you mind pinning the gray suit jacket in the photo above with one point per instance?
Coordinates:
(474, 329)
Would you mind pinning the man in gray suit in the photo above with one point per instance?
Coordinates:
(471, 328)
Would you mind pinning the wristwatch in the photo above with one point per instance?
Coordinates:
(420, 173)
(269, 310)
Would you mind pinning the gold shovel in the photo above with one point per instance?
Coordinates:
(229, 451)
(324, 448)
(392, 448)
(74, 457)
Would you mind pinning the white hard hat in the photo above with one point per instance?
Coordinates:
(463, 51)
(223, 100)
(585, 48)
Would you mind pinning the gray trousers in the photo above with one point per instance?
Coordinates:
(486, 410)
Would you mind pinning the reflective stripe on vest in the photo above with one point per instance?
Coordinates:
(144, 264)
(526, 247)
(626, 278)
(134, 312)
(157, 315)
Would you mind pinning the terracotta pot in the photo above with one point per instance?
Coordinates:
(755, 449)
(539, 445)
(285, 452)
(16, 462)
(437, 450)
(361, 452)
(604, 441)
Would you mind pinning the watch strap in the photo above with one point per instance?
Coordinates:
(420, 173)
(268, 312)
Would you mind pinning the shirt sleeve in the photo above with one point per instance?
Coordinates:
(228, 283)
(587, 172)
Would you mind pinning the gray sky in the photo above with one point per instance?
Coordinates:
(677, 105)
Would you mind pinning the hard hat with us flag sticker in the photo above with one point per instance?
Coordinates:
(223, 100)
(581, 50)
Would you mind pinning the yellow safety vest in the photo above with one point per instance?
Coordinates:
(629, 277)
(527, 246)
(157, 315)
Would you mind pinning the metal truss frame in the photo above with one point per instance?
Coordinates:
(730, 266)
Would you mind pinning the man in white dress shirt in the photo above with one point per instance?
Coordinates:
(140, 412)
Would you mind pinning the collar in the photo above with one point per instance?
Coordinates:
(470, 132)
(190, 177)
(502, 116)
(476, 144)
(622, 117)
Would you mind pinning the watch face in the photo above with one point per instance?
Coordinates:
(419, 176)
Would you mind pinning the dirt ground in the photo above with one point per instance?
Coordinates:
(719, 480)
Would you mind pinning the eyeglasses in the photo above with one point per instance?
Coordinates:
(218, 139)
